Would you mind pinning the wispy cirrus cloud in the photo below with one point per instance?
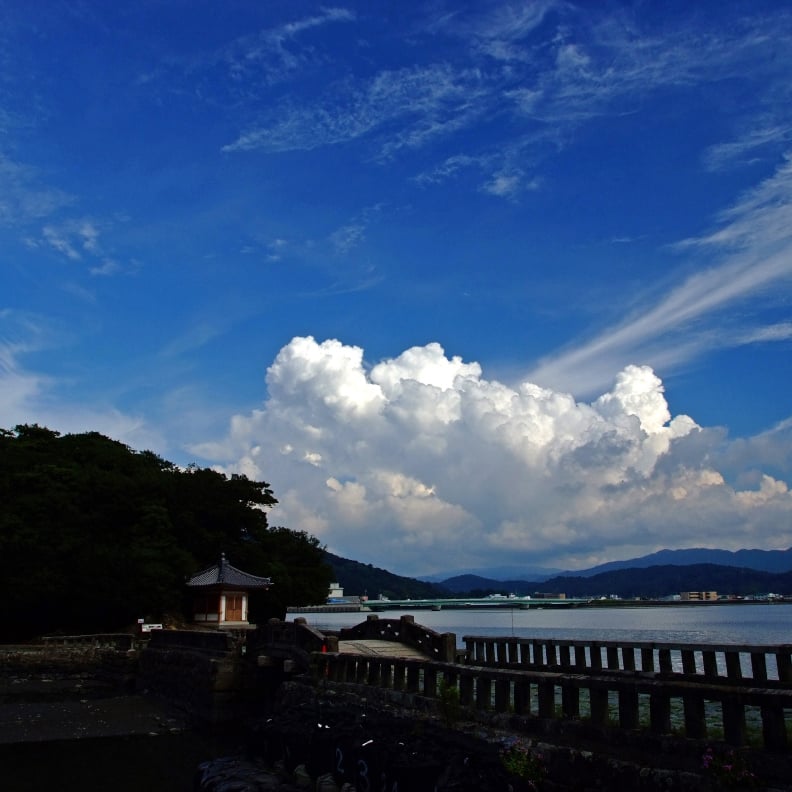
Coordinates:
(240, 72)
(79, 240)
(544, 68)
(781, 331)
(24, 197)
(746, 148)
(754, 243)
(26, 201)
(275, 53)
(611, 65)
(424, 99)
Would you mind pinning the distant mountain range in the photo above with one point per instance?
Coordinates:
(667, 572)
(640, 582)
(762, 560)
(499, 573)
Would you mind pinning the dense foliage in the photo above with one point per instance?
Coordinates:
(94, 535)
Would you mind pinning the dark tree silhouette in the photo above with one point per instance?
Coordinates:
(94, 535)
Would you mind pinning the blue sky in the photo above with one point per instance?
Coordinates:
(469, 284)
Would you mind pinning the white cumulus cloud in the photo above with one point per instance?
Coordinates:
(420, 463)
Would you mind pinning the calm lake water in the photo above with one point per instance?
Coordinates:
(745, 623)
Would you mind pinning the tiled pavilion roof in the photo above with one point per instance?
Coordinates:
(223, 574)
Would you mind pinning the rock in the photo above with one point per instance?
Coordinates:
(302, 778)
(239, 774)
(326, 783)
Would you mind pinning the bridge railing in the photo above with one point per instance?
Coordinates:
(712, 663)
(660, 705)
(298, 634)
(438, 646)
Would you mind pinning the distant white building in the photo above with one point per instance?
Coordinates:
(698, 596)
(336, 593)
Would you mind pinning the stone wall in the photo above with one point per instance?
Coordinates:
(202, 673)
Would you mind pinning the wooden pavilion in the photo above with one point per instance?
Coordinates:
(221, 594)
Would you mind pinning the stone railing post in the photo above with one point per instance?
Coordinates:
(490, 657)
(346, 668)
(386, 673)
(483, 692)
(580, 658)
(695, 716)
(502, 695)
(546, 695)
(647, 658)
(664, 658)
(598, 704)
(628, 707)
(374, 677)
(733, 667)
(733, 714)
(522, 696)
(759, 666)
(499, 652)
(784, 665)
(688, 661)
(447, 653)
(413, 677)
(773, 727)
(710, 664)
(512, 652)
(362, 670)
(430, 682)
(466, 689)
(660, 712)
(470, 649)
(612, 653)
(399, 675)
(570, 700)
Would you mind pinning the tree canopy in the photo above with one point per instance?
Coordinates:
(94, 535)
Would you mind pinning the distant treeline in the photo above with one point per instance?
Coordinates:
(94, 535)
(358, 579)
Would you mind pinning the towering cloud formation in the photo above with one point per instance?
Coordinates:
(420, 463)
